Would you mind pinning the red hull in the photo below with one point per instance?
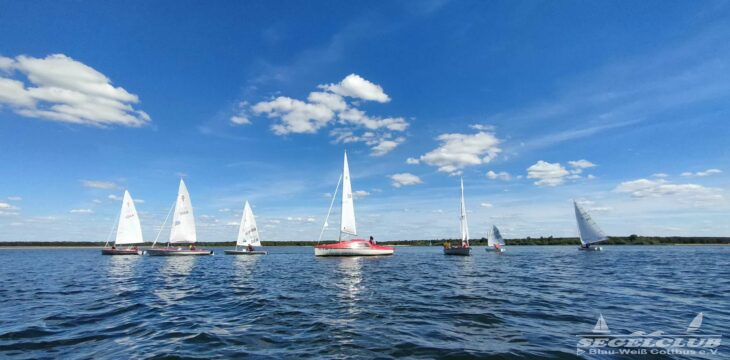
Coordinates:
(110, 251)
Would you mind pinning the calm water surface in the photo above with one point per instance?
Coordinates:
(527, 302)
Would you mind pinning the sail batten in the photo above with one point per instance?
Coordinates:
(183, 220)
(248, 233)
(347, 219)
(129, 229)
(589, 231)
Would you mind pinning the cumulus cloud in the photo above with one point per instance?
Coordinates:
(502, 175)
(645, 188)
(581, 164)
(82, 211)
(98, 184)
(59, 88)
(6, 206)
(412, 161)
(355, 86)
(241, 115)
(460, 150)
(404, 179)
(330, 106)
(660, 175)
(486, 205)
(707, 172)
(547, 174)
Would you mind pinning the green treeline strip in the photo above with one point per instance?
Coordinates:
(613, 240)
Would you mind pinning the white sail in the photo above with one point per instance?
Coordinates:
(347, 221)
(183, 220)
(248, 234)
(695, 324)
(496, 237)
(589, 231)
(462, 217)
(601, 326)
(129, 230)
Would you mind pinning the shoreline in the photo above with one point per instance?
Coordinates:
(70, 247)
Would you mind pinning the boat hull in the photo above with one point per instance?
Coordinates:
(592, 248)
(461, 251)
(494, 249)
(110, 251)
(178, 252)
(244, 252)
(353, 248)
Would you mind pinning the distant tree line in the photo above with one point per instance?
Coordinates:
(613, 240)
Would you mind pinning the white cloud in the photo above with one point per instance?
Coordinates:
(481, 127)
(413, 161)
(296, 116)
(660, 175)
(63, 89)
(547, 174)
(645, 188)
(98, 184)
(486, 205)
(114, 197)
(139, 201)
(581, 164)
(6, 206)
(15, 198)
(82, 211)
(405, 179)
(322, 108)
(502, 175)
(707, 172)
(460, 150)
(355, 86)
(359, 194)
(241, 115)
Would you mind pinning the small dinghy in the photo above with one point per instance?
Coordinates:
(464, 249)
(356, 247)
(589, 231)
(129, 230)
(248, 235)
(183, 229)
(495, 242)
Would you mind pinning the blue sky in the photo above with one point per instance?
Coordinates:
(619, 105)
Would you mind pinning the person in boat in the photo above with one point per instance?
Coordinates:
(372, 240)
(114, 247)
(447, 244)
(192, 246)
(249, 248)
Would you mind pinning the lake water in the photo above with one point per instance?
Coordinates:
(526, 302)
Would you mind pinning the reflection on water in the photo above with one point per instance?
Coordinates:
(120, 272)
(174, 275)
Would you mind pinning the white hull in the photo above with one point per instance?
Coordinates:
(494, 249)
(463, 251)
(592, 248)
(244, 252)
(351, 252)
(175, 252)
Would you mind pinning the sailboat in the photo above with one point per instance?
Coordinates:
(129, 230)
(356, 247)
(183, 229)
(590, 233)
(495, 242)
(248, 235)
(601, 326)
(464, 249)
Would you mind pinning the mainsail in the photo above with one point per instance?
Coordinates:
(462, 217)
(589, 230)
(347, 220)
(248, 234)
(183, 220)
(494, 237)
(129, 230)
